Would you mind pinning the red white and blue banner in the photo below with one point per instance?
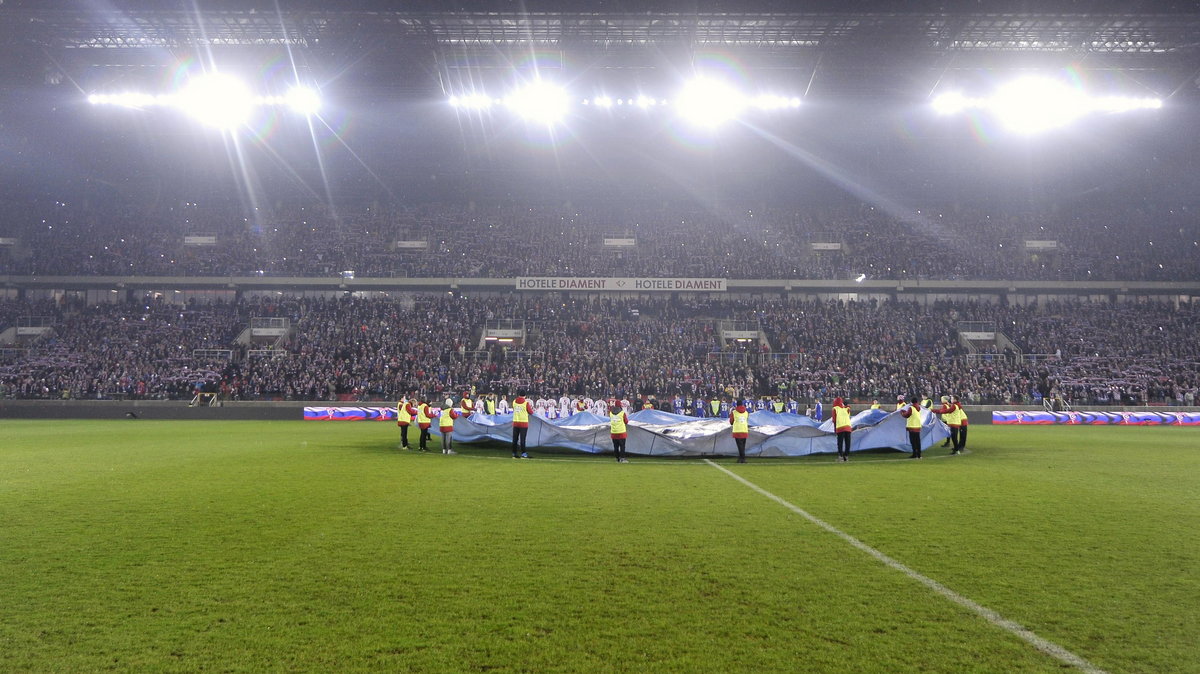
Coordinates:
(1043, 418)
(349, 413)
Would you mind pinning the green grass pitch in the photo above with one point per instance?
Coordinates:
(307, 546)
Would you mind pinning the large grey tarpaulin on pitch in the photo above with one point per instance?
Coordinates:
(654, 433)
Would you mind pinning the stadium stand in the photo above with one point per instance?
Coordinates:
(380, 349)
(74, 237)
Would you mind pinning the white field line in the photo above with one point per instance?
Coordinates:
(1048, 647)
(502, 455)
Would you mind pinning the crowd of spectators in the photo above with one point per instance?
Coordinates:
(77, 237)
(142, 350)
(351, 348)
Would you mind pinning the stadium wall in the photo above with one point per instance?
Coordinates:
(914, 289)
(294, 410)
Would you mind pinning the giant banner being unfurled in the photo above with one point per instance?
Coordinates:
(654, 433)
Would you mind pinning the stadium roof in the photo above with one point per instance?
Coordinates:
(936, 32)
(432, 43)
(388, 74)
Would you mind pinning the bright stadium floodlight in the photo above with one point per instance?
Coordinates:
(131, 99)
(775, 102)
(303, 100)
(951, 103)
(472, 101)
(709, 103)
(539, 101)
(218, 100)
(1034, 104)
(1125, 104)
(603, 101)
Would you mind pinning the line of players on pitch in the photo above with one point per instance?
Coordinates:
(418, 411)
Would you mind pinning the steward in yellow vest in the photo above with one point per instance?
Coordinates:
(446, 426)
(912, 422)
(739, 418)
(618, 427)
(841, 426)
(403, 419)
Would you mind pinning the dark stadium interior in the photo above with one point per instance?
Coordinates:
(100, 198)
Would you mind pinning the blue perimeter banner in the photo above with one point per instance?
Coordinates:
(654, 433)
(1043, 418)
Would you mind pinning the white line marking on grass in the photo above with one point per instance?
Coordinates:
(1048, 647)
(691, 461)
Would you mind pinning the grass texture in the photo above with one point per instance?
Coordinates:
(303, 546)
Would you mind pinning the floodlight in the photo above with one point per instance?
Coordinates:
(1125, 104)
(303, 100)
(860, 278)
(774, 102)
(709, 102)
(951, 103)
(217, 100)
(539, 102)
(128, 100)
(603, 101)
(1034, 104)
(472, 101)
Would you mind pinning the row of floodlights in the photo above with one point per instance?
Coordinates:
(216, 99)
(1033, 104)
(702, 101)
(1026, 105)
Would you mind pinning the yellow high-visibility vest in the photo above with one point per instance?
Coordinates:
(741, 422)
(958, 415)
(616, 423)
(402, 413)
(913, 423)
(521, 413)
(841, 417)
(422, 414)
